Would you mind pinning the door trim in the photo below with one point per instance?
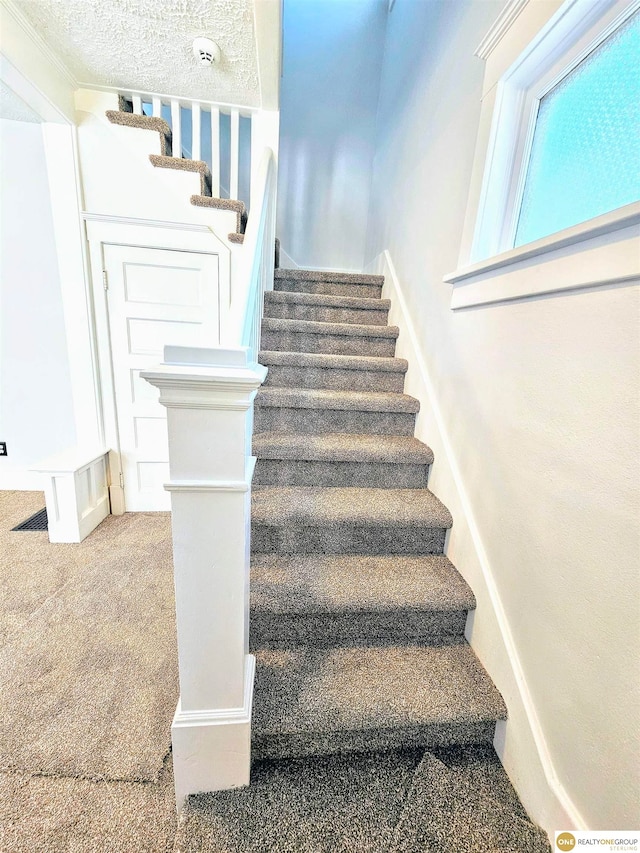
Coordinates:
(104, 230)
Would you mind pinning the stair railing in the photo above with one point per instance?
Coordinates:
(209, 396)
(243, 326)
(205, 130)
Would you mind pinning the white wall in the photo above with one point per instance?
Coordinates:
(36, 409)
(328, 100)
(533, 416)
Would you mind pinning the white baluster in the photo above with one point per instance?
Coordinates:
(215, 152)
(234, 151)
(175, 129)
(195, 131)
(137, 104)
(156, 104)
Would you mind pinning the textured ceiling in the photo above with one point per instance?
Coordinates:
(145, 45)
(14, 108)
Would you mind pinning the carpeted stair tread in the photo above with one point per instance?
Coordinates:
(344, 583)
(318, 701)
(155, 123)
(182, 164)
(311, 805)
(326, 300)
(445, 806)
(321, 275)
(324, 507)
(345, 600)
(341, 447)
(312, 327)
(321, 398)
(379, 364)
(142, 122)
(237, 207)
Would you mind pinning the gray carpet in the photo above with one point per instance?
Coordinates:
(393, 802)
(470, 803)
(88, 672)
(88, 680)
(328, 805)
(61, 814)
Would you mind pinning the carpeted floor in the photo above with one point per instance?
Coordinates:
(88, 685)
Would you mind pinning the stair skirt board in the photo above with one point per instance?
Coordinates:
(164, 160)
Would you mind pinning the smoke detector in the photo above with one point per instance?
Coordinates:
(206, 51)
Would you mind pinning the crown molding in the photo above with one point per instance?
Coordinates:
(39, 42)
(499, 27)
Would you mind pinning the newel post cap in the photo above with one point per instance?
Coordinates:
(198, 377)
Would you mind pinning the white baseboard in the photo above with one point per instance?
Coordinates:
(520, 742)
(287, 263)
(212, 749)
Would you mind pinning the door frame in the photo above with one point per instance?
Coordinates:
(104, 230)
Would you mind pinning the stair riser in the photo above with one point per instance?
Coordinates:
(331, 344)
(329, 743)
(298, 472)
(328, 288)
(345, 539)
(280, 631)
(314, 421)
(334, 378)
(325, 313)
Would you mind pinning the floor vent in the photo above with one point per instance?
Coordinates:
(37, 521)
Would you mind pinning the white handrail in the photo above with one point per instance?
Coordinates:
(243, 325)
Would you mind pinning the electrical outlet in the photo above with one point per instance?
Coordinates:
(3, 448)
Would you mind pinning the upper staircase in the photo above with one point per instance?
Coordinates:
(168, 158)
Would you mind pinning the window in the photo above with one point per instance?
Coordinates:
(554, 200)
(585, 155)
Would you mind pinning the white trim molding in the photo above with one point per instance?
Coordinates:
(76, 493)
(43, 47)
(32, 69)
(212, 747)
(501, 25)
(597, 253)
(545, 42)
(543, 794)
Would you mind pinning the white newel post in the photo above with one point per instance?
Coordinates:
(209, 398)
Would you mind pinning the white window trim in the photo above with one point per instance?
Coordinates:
(513, 88)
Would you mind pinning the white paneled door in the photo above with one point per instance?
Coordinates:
(155, 297)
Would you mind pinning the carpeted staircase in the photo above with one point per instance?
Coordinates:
(125, 117)
(373, 720)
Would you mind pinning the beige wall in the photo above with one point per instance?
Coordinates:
(534, 415)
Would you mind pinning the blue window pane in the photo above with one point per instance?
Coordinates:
(585, 157)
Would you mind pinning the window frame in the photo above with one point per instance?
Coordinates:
(575, 31)
(530, 42)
